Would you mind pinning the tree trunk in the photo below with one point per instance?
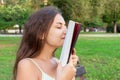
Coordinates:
(20, 28)
(4, 31)
(115, 27)
(84, 29)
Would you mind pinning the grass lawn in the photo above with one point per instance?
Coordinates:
(8, 48)
(94, 33)
(99, 55)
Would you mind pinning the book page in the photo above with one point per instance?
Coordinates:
(67, 43)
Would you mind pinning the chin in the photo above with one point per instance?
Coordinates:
(60, 45)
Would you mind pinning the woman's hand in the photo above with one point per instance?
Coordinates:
(67, 72)
(74, 58)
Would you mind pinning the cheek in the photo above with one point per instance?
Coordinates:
(55, 40)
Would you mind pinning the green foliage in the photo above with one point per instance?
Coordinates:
(20, 14)
(36, 4)
(87, 12)
(11, 15)
(112, 11)
(65, 6)
(95, 23)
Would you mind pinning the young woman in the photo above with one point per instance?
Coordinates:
(44, 32)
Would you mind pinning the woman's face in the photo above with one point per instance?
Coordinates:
(57, 32)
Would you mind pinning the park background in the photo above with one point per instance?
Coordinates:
(98, 45)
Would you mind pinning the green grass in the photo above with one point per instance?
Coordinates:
(99, 55)
(94, 33)
(8, 48)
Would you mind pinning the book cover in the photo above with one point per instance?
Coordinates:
(69, 42)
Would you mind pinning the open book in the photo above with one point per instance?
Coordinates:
(69, 42)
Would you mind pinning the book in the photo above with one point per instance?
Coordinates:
(72, 34)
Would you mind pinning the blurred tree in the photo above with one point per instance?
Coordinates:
(112, 13)
(5, 18)
(83, 11)
(87, 12)
(65, 6)
(13, 15)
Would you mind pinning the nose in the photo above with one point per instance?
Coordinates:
(65, 30)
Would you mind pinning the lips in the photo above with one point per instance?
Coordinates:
(63, 37)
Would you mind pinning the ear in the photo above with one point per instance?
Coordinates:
(43, 37)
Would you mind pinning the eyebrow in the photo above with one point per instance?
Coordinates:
(60, 23)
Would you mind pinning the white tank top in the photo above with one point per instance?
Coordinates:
(44, 75)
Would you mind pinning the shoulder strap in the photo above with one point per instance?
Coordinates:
(44, 75)
(33, 61)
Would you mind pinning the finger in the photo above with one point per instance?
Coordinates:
(74, 51)
(74, 63)
(75, 57)
(71, 60)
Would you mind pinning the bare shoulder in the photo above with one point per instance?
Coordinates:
(24, 63)
(26, 71)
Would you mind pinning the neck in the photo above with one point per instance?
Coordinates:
(46, 53)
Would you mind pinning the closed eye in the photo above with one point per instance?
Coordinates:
(59, 27)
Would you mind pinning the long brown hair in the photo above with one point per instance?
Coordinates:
(36, 26)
